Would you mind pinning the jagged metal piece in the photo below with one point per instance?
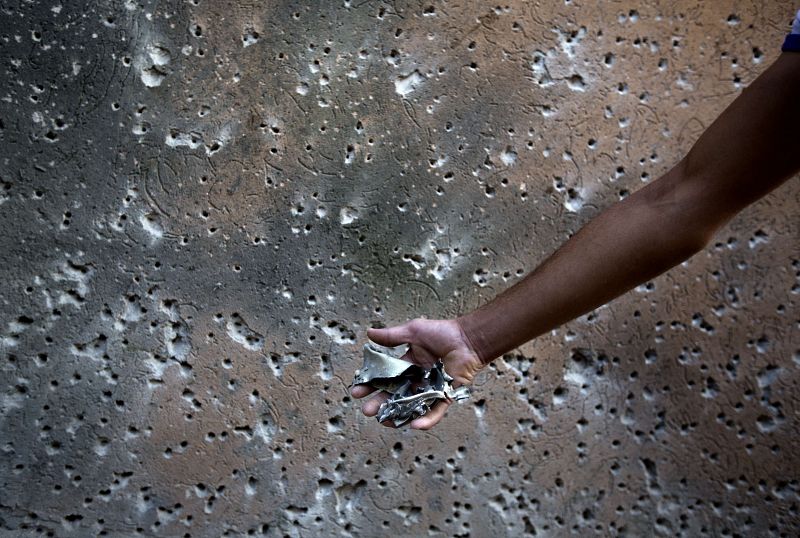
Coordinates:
(383, 371)
(414, 390)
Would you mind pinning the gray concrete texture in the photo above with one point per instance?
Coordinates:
(205, 204)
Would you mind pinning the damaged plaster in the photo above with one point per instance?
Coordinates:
(205, 204)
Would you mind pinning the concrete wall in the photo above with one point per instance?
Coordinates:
(204, 204)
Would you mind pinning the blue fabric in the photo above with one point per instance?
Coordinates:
(792, 43)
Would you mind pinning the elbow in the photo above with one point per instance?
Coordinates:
(683, 240)
(703, 206)
(690, 235)
(689, 219)
(695, 242)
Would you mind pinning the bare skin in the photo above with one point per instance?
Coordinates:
(752, 148)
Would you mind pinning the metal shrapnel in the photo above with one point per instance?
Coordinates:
(413, 389)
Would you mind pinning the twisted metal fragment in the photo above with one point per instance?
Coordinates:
(414, 389)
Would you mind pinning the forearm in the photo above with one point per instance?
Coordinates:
(629, 243)
(749, 150)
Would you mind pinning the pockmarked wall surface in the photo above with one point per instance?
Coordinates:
(205, 204)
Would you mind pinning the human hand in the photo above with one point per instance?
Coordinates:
(429, 341)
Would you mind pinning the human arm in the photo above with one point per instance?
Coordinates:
(752, 147)
(749, 150)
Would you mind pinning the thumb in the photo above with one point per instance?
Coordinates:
(391, 336)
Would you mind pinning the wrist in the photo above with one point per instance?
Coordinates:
(470, 331)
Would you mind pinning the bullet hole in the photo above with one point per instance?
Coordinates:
(250, 37)
(576, 83)
(480, 277)
(559, 395)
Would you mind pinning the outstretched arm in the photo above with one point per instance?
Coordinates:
(753, 147)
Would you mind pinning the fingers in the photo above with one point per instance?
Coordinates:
(371, 406)
(432, 417)
(391, 336)
(359, 391)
